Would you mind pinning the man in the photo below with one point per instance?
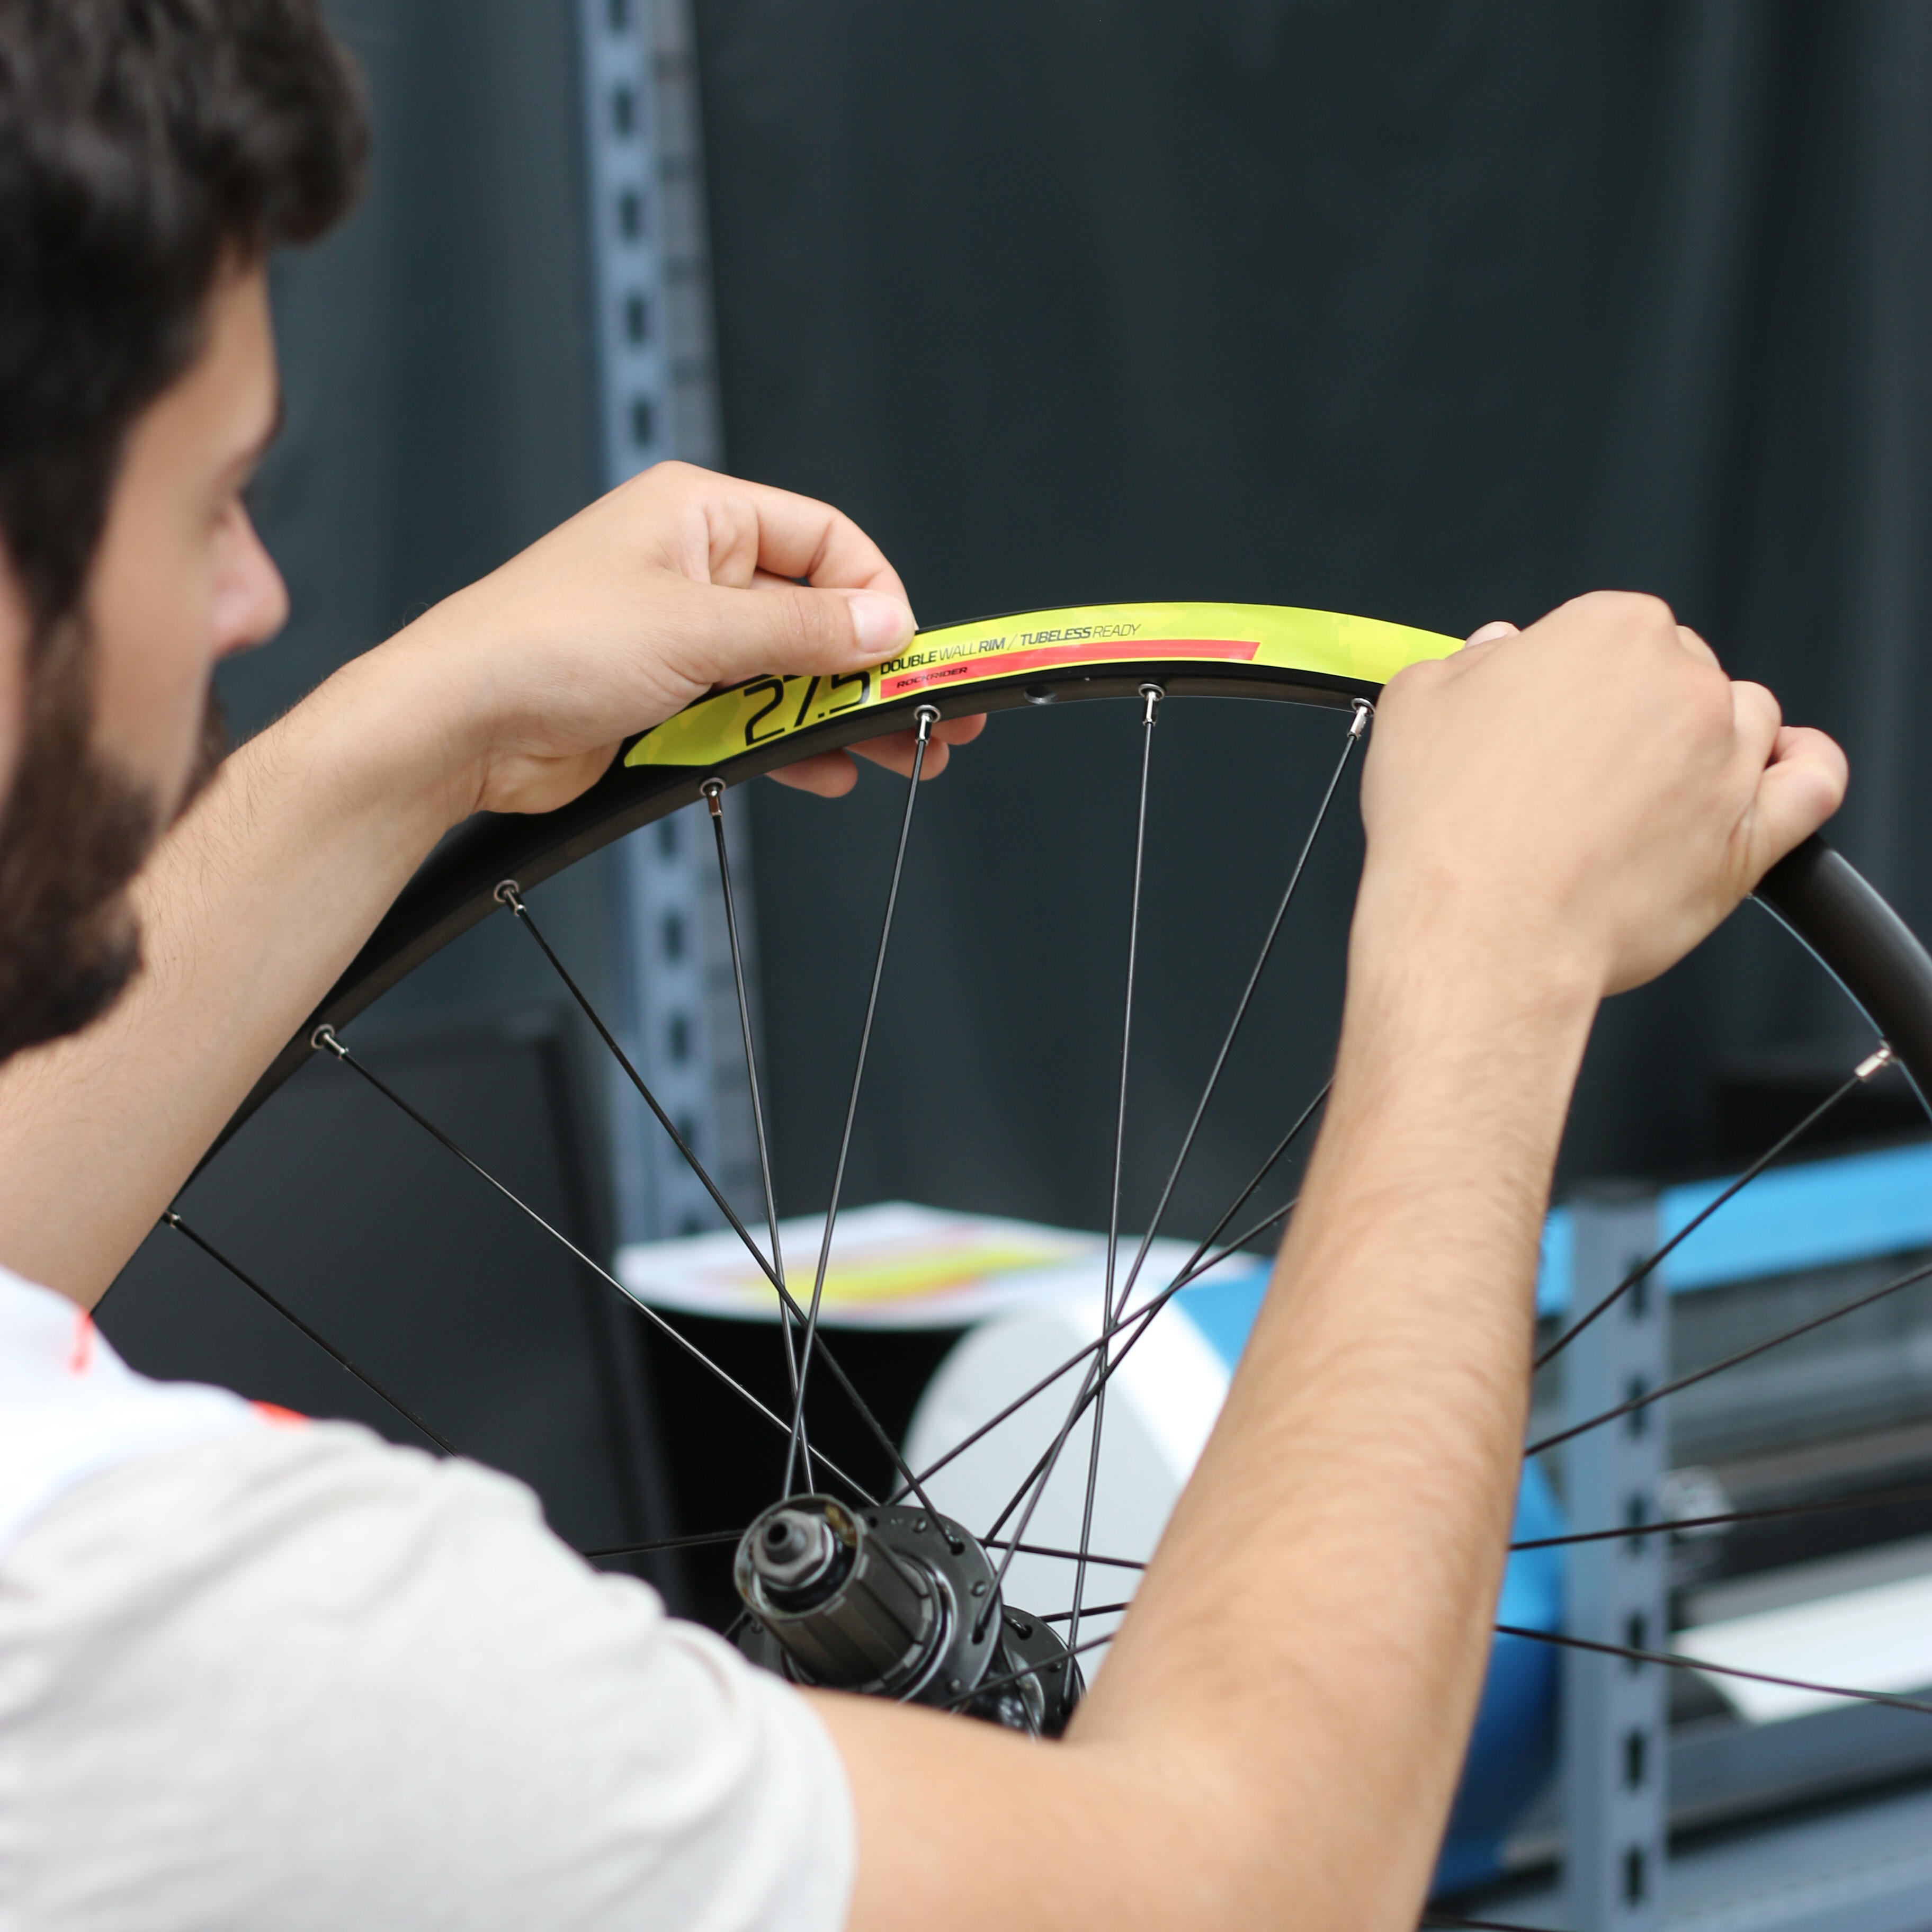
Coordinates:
(258, 1675)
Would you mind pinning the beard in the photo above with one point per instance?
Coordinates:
(74, 831)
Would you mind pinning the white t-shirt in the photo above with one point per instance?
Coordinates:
(257, 1672)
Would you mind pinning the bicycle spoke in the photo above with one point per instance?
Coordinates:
(1018, 1402)
(1012, 1409)
(713, 790)
(1034, 1487)
(1093, 1387)
(1240, 1200)
(1091, 1610)
(1190, 1272)
(1364, 713)
(170, 1219)
(1451, 1921)
(1195, 1269)
(1151, 695)
(1066, 1556)
(1141, 1317)
(324, 1037)
(1664, 1525)
(1731, 1361)
(510, 894)
(717, 1536)
(928, 715)
(1676, 1660)
(1873, 1063)
(663, 1543)
(1234, 1247)
(1136, 1322)
(1001, 1682)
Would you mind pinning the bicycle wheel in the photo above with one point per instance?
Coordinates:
(884, 1592)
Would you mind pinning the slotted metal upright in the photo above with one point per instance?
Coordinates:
(1615, 1712)
(657, 387)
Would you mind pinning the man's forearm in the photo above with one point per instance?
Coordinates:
(512, 695)
(249, 910)
(1343, 1538)
(1294, 1684)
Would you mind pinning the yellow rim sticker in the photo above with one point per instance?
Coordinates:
(1322, 643)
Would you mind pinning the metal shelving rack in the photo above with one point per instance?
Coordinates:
(1819, 1823)
(658, 398)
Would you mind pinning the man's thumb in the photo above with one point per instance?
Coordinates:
(882, 624)
(1802, 787)
(788, 629)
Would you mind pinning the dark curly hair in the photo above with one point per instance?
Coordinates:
(142, 144)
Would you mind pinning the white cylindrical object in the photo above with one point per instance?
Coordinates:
(1162, 1400)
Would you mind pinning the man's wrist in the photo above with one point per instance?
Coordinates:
(1457, 1011)
(1499, 950)
(390, 740)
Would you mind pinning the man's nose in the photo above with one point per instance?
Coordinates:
(251, 601)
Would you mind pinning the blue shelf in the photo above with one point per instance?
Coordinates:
(1817, 1215)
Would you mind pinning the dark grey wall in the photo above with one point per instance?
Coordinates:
(435, 351)
(436, 364)
(1434, 312)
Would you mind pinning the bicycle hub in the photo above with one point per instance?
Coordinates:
(900, 1603)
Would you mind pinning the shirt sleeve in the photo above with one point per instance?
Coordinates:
(306, 1680)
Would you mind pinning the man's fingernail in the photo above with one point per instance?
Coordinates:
(1487, 634)
(883, 623)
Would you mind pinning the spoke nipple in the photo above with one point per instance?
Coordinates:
(1875, 1063)
(509, 893)
(1364, 711)
(325, 1036)
(928, 715)
(713, 790)
(1152, 694)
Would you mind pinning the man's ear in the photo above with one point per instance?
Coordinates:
(16, 632)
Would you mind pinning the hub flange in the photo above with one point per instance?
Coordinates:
(897, 1602)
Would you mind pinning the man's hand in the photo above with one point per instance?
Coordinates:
(513, 695)
(1593, 793)
(1276, 1735)
(675, 583)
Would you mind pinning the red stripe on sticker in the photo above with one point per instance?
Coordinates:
(82, 1359)
(1122, 650)
(275, 1414)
